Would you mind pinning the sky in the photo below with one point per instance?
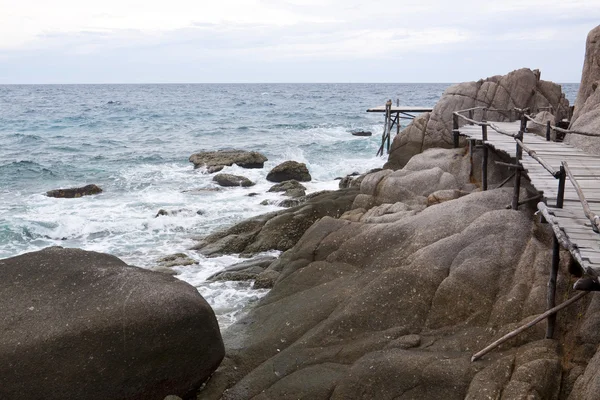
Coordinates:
(202, 41)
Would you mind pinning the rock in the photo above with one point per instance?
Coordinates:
(361, 133)
(289, 170)
(266, 202)
(352, 180)
(266, 279)
(442, 196)
(216, 160)
(176, 260)
(541, 117)
(243, 271)
(203, 190)
(291, 188)
(215, 168)
(253, 194)
(229, 180)
(295, 193)
(287, 203)
(74, 192)
(180, 211)
(521, 88)
(164, 270)
(278, 230)
(91, 327)
(586, 117)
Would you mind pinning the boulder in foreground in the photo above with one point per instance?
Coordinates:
(74, 192)
(83, 325)
(289, 170)
(216, 160)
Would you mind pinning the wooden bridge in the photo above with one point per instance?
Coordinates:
(570, 208)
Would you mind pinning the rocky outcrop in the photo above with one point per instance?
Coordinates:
(521, 88)
(246, 270)
(177, 259)
(586, 117)
(229, 180)
(84, 325)
(289, 170)
(71, 193)
(279, 230)
(214, 161)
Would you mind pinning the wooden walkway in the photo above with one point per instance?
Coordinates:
(586, 171)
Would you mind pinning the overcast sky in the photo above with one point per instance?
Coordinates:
(122, 41)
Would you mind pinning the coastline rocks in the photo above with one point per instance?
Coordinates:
(246, 270)
(361, 133)
(521, 88)
(176, 260)
(230, 180)
(289, 170)
(216, 160)
(278, 230)
(76, 192)
(586, 117)
(84, 325)
(291, 188)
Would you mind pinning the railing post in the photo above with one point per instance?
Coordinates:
(551, 297)
(511, 116)
(388, 119)
(484, 160)
(455, 129)
(517, 185)
(548, 131)
(470, 116)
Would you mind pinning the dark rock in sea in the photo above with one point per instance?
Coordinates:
(175, 260)
(253, 194)
(74, 192)
(216, 160)
(229, 180)
(84, 325)
(354, 179)
(361, 133)
(278, 230)
(287, 203)
(202, 190)
(289, 170)
(290, 188)
(180, 211)
(243, 271)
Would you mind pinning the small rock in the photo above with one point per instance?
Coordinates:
(287, 185)
(266, 279)
(289, 170)
(213, 169)
(172, 397)
(229, 180)
(175, 259)
(74, 192)
(362, 133)
(287, 203)
(243, 271)
(295, 193)
(164, 270)
(202, 190)
(218, 159)
(253, 194)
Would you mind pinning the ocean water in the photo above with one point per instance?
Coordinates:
(134, 142)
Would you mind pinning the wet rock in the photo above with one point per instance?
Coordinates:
(74, 192)
(287, 203)
(266, 279)
(91, 327)
(289, 170)
(202, 190)
(361, 133)
(442, 196)
(243, 271)
(164, 270)
(253, 194)
(175, 260)
(291, 188)
(179, 211)
(229, 180)
(214, 160)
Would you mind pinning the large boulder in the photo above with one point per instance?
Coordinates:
(230, 180)
(278, 230)
(289, 170)
(586, 117)
(75, 192)
(83, 325)
(216, 160)
(521, 88)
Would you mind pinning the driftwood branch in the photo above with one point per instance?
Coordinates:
(528, 325)
(594, 219)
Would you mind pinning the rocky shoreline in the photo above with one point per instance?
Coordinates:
(384, 289)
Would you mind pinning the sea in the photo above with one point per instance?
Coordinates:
(134, 142)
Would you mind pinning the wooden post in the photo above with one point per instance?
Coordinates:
(517, 185)
(511, 116)
(562, 177)
(470, 116)
(551, 298)
(548, 131)
(388, 113)
(484, 160)
(455, 129)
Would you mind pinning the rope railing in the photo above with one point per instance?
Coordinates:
(561, 130)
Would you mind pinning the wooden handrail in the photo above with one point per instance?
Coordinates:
(593, 217)
(533, 154)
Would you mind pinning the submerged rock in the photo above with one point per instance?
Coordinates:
(229, 180)
(70, 193)
(361, 133)
(216, 160)
(289, 170)
(176, 259)
(85, 325)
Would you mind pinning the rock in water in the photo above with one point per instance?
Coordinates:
(229, 180)
(83, 325)
(74, 192)
(361, 133)
(289, 170)
(216, 160)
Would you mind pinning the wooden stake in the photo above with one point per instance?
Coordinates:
(484, 160)
(551, 302)
(528, 325)
(455, 129)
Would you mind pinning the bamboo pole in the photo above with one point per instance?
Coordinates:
(559, 234)
(594, 219)
(537, 158)
(528, 325)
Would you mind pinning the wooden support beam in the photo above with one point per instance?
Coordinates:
(455, 129)
(517, 185)
(528, 325)
(484, 159)
(548, 131)
(551, 297)
(508, 165)
(504, 182)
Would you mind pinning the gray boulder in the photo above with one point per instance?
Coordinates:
(70, 193)
(521, 88)
(243, 271)
(216, 160)
(230, 180)
(586, 117)
(176, 259)
(289, 170)
(291, 188)
(83, 325)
